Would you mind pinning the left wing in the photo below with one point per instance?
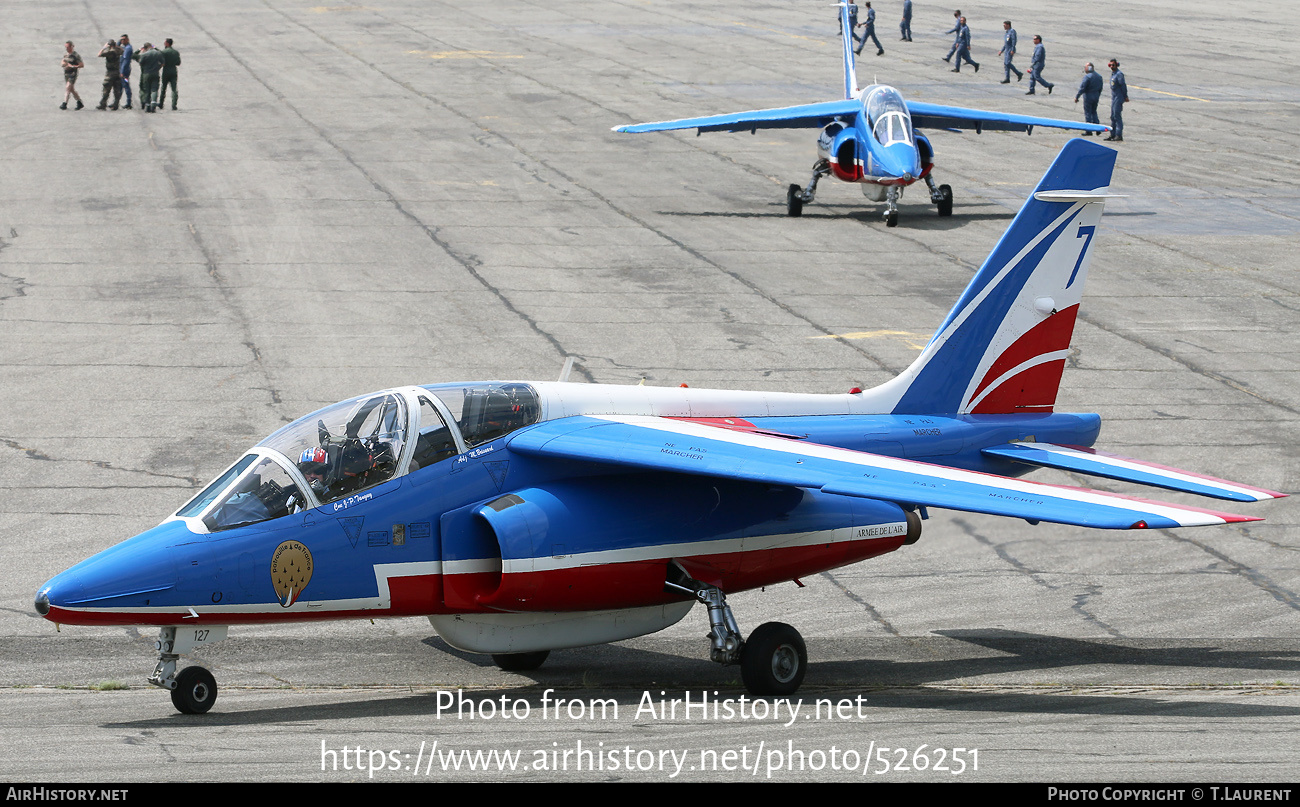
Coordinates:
(661, 444)
(936, 116)
(804, 116)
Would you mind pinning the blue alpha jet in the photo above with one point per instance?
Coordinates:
(869, 137)
(521, 518)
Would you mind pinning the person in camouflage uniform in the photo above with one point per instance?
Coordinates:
(71, 64)
(111, 53)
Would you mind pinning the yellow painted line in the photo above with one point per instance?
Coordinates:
(775, 31)
(464, 54)
(908, 337)
(1174, 94)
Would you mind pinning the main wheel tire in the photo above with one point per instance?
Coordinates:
(520, 662)
(945, 204)
(773, 660)
(794, 200)
(195, 692)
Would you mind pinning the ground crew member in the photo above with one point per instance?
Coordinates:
(1036, 64)
(171, 61)
(955, 29)
(870, 33)
(1090, 89)
(111, 53)
(963, 48)
(905, 27)
(1008, 52)
(1118, 97)
(71, 64)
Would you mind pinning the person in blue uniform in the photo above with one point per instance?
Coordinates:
(955, 29)
(1118, 98)
(905, 27)
(1090, 90)
(1008, 52)
(1036, 64)
(870, 32)
(963, 48)
(128, 55)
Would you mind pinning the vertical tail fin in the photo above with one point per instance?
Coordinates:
(1003, 346)
(846, 31)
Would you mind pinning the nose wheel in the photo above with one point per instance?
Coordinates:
(195, 692)
(891, 200)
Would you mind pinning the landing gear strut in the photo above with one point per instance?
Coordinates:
(774, 658)
(796, 197)
(892, 196)
(941, 195)
(193, 689)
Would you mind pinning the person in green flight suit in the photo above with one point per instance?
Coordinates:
(151, 61)
(171, 61)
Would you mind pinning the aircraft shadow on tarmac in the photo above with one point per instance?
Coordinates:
(624, 673)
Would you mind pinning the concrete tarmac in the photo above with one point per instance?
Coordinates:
(351, 197)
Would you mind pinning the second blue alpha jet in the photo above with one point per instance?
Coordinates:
(868, 137)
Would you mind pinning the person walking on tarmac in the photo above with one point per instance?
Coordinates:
(1090, 89)
(71, 64)
(171, 61)
(963, 48)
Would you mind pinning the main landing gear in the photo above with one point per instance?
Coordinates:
(193, 689)
(774, 658)
(796, 197)
(941, 195)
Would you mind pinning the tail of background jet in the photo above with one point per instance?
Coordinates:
(846, 30)
(1003, 347)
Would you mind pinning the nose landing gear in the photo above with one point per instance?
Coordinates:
(193, 689)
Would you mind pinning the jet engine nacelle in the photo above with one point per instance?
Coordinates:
(845, 155)
(579, 545)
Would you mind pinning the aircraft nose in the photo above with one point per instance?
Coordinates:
(902, 161)
(136, 572)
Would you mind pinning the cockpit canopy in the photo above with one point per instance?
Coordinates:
(357, 444)
(887, 116)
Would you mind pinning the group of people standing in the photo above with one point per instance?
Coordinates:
(1090, 88)
(158, 71)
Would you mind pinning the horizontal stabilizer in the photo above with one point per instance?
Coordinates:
(1112, 466)
(676, 446)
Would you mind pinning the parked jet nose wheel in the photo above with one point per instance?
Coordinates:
(891, 218)
(195, 692)
(773, 660)
(520, 662)
(794, 201)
